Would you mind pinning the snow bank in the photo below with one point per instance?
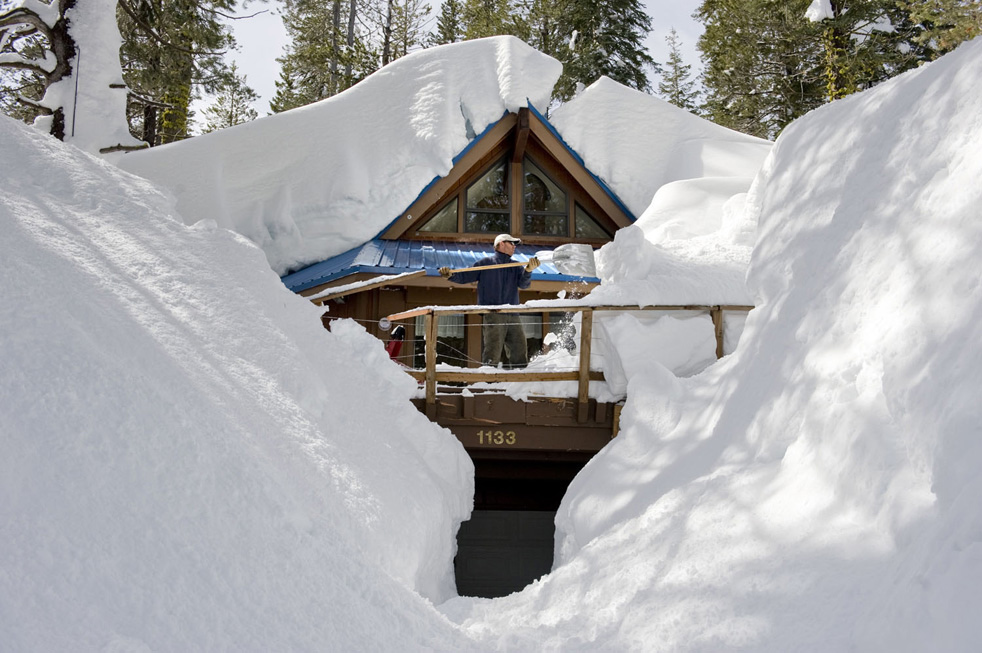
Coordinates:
(818, 490)
(316, 181)
(685, 177)
(637, 143)
(190, 461)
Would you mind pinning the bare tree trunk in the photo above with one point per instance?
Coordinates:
(387, 42)
(351, 39)
(335, 32)
(150, 125)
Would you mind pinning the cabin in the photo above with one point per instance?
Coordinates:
(519, 177)
(358, 200)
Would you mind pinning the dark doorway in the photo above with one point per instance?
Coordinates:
(509, 540)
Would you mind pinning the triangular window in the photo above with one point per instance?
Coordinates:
(488, 204)
(587, 227)
(545, 211)
(445, 221)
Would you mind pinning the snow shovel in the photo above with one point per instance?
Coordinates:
(573, 259)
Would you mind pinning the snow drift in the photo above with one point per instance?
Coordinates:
(190, 461)
(818, 490)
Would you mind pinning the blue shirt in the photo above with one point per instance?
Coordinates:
(499, 286)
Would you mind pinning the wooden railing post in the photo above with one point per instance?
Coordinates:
(716, 312)
(583, 392)
(430, 321)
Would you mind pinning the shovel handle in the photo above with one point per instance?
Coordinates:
(513, 264)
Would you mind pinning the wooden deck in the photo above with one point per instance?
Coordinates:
(492, 425)
(497, 426)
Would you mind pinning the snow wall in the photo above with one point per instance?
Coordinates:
(818, 490)
(190, 461)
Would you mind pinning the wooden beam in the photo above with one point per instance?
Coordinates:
(583, 392)
(716, 312)
(411, 313)
(351, 289)
(545, 306)
(476, 376)
(521, 136)
(431, 322)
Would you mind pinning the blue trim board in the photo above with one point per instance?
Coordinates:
(398, 256)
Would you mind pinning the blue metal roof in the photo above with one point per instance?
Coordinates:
(398, 256)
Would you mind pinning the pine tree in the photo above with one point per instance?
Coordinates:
(232, 105)
(172, 51)
(450, 23)
(765, 63)
(605, 38)
(866, 42)
(487, 18)
(761, 64)
(538, 25)
(946, 23)
(408, 23)
(676, 85)
(326, 55)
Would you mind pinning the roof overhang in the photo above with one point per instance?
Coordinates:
(398, 259)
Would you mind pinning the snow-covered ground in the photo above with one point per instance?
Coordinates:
(183, 469)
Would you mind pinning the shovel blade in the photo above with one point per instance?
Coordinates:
(573, 259)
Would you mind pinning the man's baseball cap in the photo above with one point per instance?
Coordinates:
(500, 238)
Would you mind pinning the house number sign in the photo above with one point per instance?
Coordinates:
(497, 437)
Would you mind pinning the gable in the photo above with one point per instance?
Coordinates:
(512, 156)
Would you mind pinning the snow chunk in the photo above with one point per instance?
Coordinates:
(819, 10)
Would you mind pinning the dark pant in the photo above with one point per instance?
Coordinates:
(501, 331)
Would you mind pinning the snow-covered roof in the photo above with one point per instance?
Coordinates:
(379, 256)
(315, 182)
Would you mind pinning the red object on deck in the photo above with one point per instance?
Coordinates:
(394, 346)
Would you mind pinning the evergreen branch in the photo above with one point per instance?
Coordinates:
(22, 16)
(34, 104)
(152, 33)
(231, 17)
(143, 99)
(23, 63)
(123, 148)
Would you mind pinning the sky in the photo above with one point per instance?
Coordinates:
(261, 39)
(183, 469)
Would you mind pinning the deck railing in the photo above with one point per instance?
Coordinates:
(430, 376)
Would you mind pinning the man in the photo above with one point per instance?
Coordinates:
(495, 288)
